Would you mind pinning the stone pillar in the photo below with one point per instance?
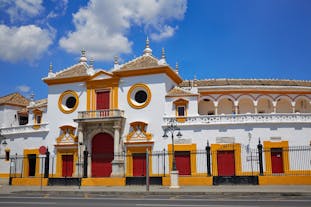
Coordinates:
(256, 106)
(236, 107)
(293, 106)
(80, 151)
(274, 106)
(118, 162)
(216, 108)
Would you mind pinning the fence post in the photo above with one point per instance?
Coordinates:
(85, 162)
(259, 146)
(164, 162)
(47, 163)
(147, 170)
(208, 158)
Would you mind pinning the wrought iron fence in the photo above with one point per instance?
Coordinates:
(222, 160)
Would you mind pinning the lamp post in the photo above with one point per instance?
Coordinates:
(4, 143)
(172, 128)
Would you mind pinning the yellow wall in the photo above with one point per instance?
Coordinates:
(284, 180)
(188, 181)
(103, 182)
(30, 181)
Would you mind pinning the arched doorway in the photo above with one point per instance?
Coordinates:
(102, 155)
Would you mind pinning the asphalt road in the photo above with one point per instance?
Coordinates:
(148, 201)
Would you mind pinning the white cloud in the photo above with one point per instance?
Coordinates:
(23, 43)
(21, 9)
(23, 88)
(102, 26)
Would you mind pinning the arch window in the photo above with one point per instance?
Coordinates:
(225, 106)
(283, 106)
(264, 105)
(206, 107)
(245, 106)
(303, 105)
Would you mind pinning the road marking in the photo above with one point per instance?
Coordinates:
(181, 205)
(28, 203)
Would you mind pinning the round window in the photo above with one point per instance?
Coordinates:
(68, 102)
(139, 96)
(71, 102)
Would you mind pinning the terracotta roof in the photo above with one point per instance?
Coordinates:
(145, 61)
(40, 103)
(76, 70)
(23, 111)
(176, 91)
(246, 82)
(14, 99)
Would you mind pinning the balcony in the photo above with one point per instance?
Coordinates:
(243, 119)
(99, 115)
(25, 129)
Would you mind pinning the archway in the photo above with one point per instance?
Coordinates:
(206, 107)
(102, 155)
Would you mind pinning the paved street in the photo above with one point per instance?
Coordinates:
(148, 201)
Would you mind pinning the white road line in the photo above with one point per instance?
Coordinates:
(27, 203)
(192, 205)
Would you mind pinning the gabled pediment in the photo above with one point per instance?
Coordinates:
(101, 75)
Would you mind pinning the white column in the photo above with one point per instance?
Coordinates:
(236, 107)
(118, 162)
(274, 106)
(255, 106)
(293, 106)
(216, 107)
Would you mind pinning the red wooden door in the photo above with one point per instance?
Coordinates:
(277, 160)
(102, 100)
(183, 163)
(67, 166)
(102, 155)
(139, 164)
(225, 163)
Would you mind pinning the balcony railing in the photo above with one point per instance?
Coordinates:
(25, 129)
(98, 114)
(242, 119)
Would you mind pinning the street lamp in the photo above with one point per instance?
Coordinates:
(4, 143)
(172, 128)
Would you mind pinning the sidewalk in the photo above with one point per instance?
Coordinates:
(282, 190)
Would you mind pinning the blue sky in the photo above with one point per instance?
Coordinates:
(208, 38)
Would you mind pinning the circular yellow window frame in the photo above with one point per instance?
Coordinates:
(132, 92)
(62, 101)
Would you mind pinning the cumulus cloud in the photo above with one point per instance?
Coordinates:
(102, 26)
(23, 43)
(20, 9)
(23, 88)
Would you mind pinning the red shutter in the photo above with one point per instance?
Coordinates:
(139, 164)
(225, 163)
(102, 100)
(183, 163)
(67, 167)
(277, 160)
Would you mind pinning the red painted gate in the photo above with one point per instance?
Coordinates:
(183, 163)
(277, 160)
(139, 164)
(102, 155)
(225, 163)
(67, 165)
(102, 100)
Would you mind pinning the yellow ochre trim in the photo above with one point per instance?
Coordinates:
(181, 103)
(184, 147)
(26, 164)
(30, 181)
(284, 180)
(130, 93)
(112, 181)
(66, 80)
(186, 181)
(150, 71)
(129, 159)
(59, 161)
(60, 101)
(227, 147)
(268, 145)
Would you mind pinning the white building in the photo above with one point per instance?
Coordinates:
(117, 115)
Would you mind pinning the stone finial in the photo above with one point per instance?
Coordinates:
(195, 81)
(116, 63)
(176, 68)
(51, 74)
(162, 61)
(90, 69)
(83, 58)
(32, 99)
(147, 50)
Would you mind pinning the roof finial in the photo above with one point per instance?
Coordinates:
(162, 61)
(51, 68)
(176, 68)
(147, 50)
(116, 63)
(83, 58)
(90, 69)
(51, 74)
(32, 99)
